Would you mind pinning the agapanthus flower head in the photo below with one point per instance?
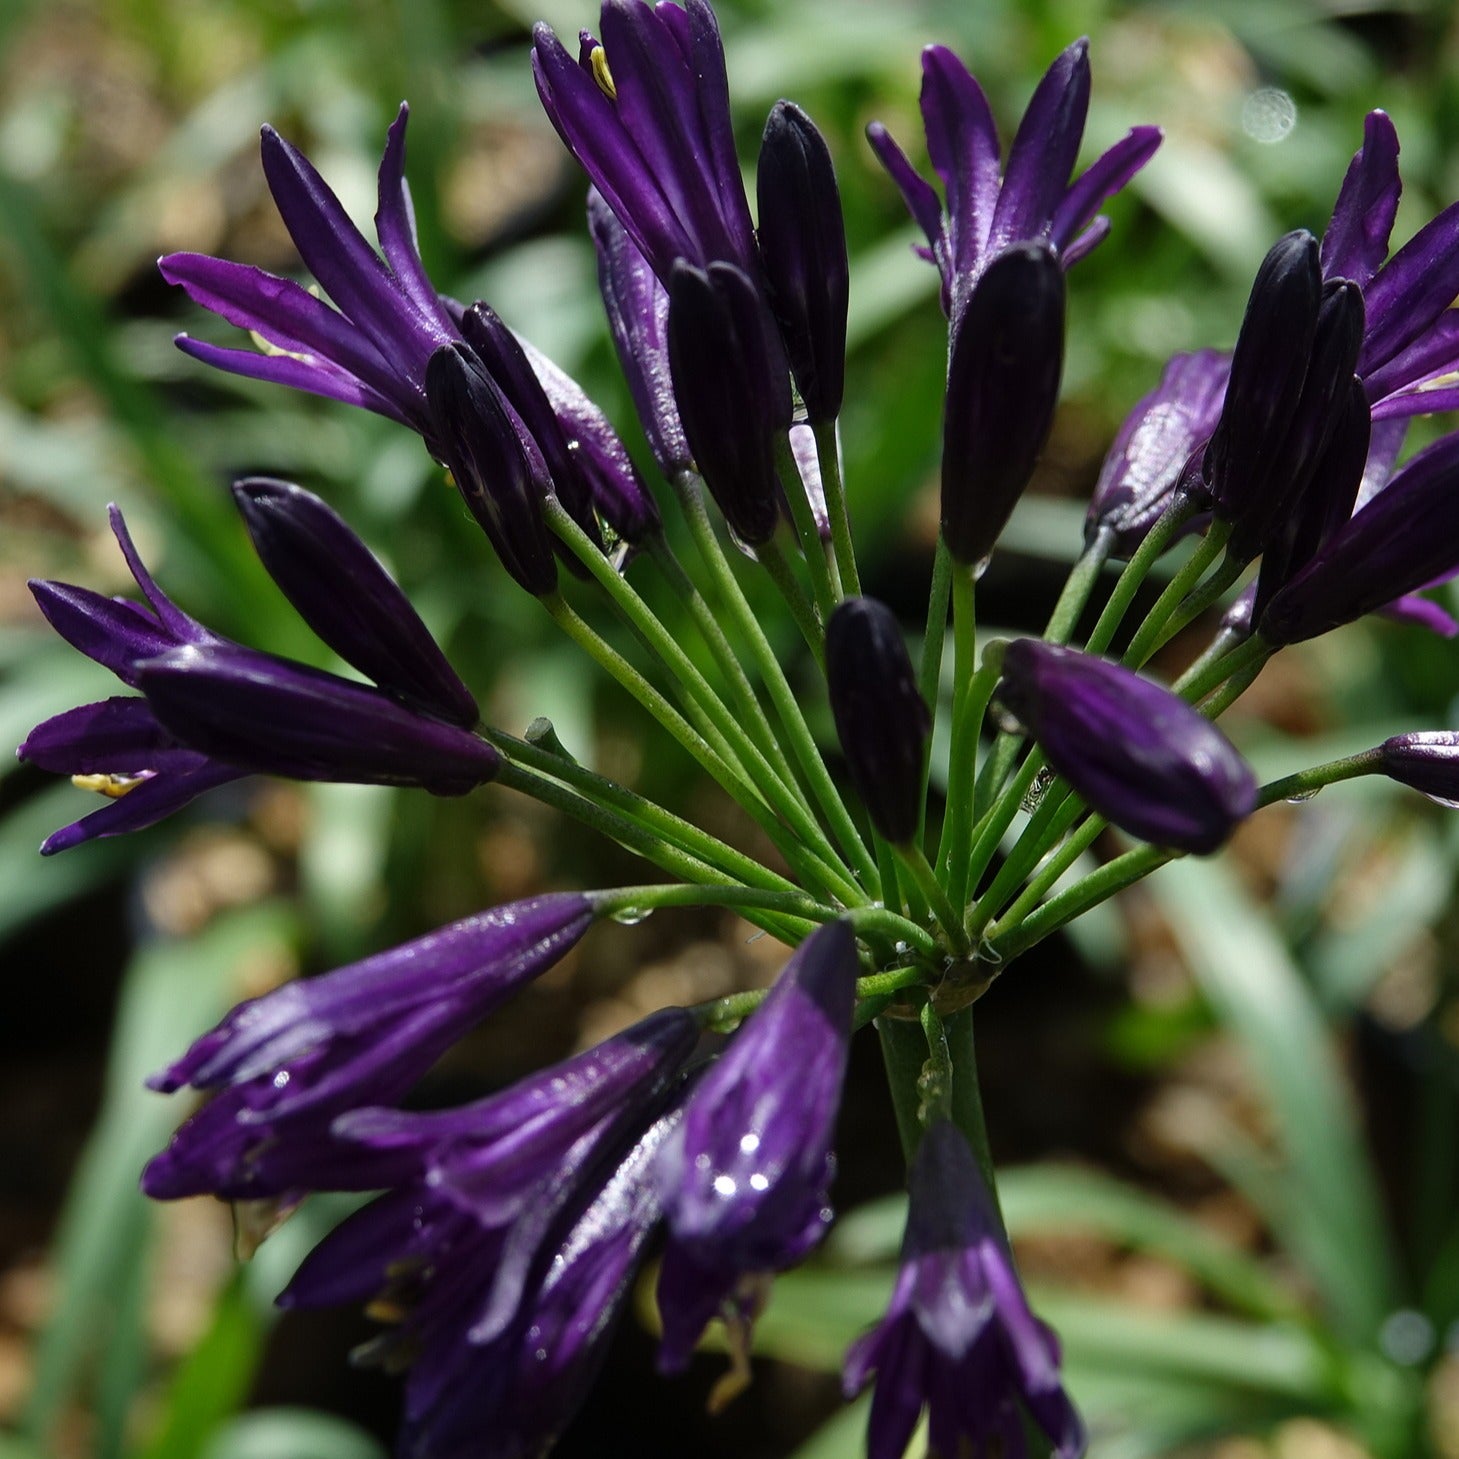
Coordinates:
(1159, 442)
(372, 348)
(214, 711)
(647, 115)
(1031, 199)
(1404, 538)
(283, 1066)
(959, 1338)
(1426, 761)
(1138, 754)
(732, 383)
(803, 244)
(1002, 387)
(882, 720)
(745, 1175)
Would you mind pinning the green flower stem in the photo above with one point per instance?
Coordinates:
(1170, 614)
(1194, 685)
(756, 720)
(935, 1085)
(1308, 782)
(828, 454)
(738, 750)
(995, 771)
(893, 895)
(782, 697)
(948, 915)
(1056, 813)
(1159, 537)
(1244, 671)
(650, 816)
(989, 831)
(771, 556)
(621, 901)
(826, 592)
(1057, 865)
(1168, 605)
(1078, 588)
(647, 844)
(807, 863)
(929, 671)
(1221, 645)
(1006, 942)
(723, 1014)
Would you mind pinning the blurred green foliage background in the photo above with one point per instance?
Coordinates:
(1229, 1103)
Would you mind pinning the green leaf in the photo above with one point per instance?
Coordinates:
(1257, 992)
(298, 1433)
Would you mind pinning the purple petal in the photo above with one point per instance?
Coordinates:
(918, 194)
(395, 226)
(116, 635)
(268, 715)
(962, 141)
(1044, 150)
(1356, 241)
(1422, 613)
(113, 737)
(146, 803)
(1412, 290)
(1102, 179)
(1409, 403)
(348, 599)
(1436, 352)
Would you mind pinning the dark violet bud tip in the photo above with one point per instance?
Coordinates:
(881, 718)
(1002, 387)
(1138, 754)
(1426, 762)
(498, 470)
(803, 246)
(733, 390)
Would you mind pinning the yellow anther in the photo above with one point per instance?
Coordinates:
(268, 347)
(113, 787)
(598, 57)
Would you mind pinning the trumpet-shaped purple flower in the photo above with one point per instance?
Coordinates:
(1160, 442)
(1031, 199)
(647, 115)
(882, 720)
(803, 244)
(506, 1254)
(733, 387)
(214, 711)
(1140, 755)
(744, 1177)
(282, 1066)
(959, 1338)
(1427, 761)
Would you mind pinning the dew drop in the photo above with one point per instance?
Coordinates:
(749, 1144)
(725, 1185)
(631, 916)
(759, 1182)
(981, 566)
(1302, 797)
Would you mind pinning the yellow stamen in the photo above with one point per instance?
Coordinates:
(113, 787)
(267, 347)
(598, 58)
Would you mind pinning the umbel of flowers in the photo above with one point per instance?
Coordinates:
(504, 1236)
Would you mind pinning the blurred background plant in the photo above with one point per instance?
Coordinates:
(1226, 1107)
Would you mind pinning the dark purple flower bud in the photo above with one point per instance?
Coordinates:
(1138, 754)
(648, 118)
(1427, 762)
(637, 306)
(617, 490)
(348, 599)
(498, 469)
(1325, 503)
(1268, 369)
(506, 361)
(803, 245)
(372, 348)
(1404, 538)
(733, 388)
(1154, 448)
(1033, 200)
(744, 1178)
(1002, 386)
(284, 1065)
(959, 1338)
(882, 720)
(273, 717)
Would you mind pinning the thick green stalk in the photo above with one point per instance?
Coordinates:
(967, 1097)
(904, 1052)
(782, 697)
(828, 454)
